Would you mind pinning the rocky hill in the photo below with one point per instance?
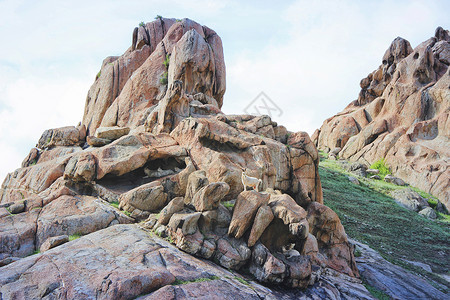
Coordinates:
(158, 194)
(401, 115)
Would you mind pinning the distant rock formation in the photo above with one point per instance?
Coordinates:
(155, 147)
(402, 115)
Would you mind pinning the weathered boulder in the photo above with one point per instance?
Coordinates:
(325, 225)
(111, 133)
(232, 253)
(77, 215)
(175, 205)
(263, 218)
(97, 142)
(53, 242)
(247, 204)
(148, 197)
(401, 115)
(64, 136)
(409, 199)
(395, 180)
(186, 221)
(208, 197)
(428, 212)
(17, 234)
(196, 181)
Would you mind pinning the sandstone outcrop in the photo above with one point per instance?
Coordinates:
(401, 115)
(155, 148)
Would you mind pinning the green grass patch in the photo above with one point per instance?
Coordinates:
(382, 167)
(228, 204)
(179, 282)
(74, 237)
(114, 204)
(371, 216)
(376, 293)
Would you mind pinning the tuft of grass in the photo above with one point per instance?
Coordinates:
(202, 279)
(376, 293)
(371, 216)
(167, 61)
(228, 204)
(242, 280)
(74, 237)
(164, 78)
(114, 204)
(382, 166)
(127, 213)
(98, 75)
(141, 24)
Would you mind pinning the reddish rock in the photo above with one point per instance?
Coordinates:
(401, 115)
(245, 209)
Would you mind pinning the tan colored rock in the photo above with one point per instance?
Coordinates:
(263, 218)
(196, 181)
(147, 197)
(332, 241)
(247, 204)
(68, 215)
(232, 253)
(32, 158)
(53, 242)
(97, 142)
(209, 197)
(111, 133)
(186, 221)
(175, 205)
(285, 208)
(81, 167)
(64, 136)
(30, 181)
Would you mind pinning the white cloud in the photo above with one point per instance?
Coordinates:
(332, 45)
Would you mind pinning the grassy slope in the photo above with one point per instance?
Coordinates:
(372, 217)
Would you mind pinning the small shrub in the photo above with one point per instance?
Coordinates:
(178, 20)
(158, 17)
(358, 253)
(127, 213)
(142, 24)
(167, 61)
(98, 75)
(164, 78)
(382, 166)
(114, 204)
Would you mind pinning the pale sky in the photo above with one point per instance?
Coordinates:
(308, 57)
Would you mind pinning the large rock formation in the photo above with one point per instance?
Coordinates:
(402, 115)
(154, 146)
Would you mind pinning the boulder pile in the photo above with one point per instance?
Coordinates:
(155, 148)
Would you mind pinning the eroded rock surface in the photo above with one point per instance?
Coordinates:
(154, 147)
(401, 115)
